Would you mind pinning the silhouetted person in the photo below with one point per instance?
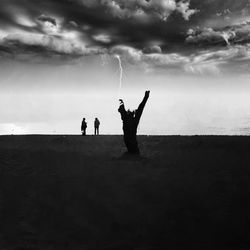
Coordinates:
(83, 126)
(130, 124)
(96, 125)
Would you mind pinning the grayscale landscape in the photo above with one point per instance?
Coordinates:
(124, 124)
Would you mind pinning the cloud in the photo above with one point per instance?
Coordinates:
(130, 54)
(152, 49)
(224, 12)
(72, 24)
(203, 69)
(235, 34)
(150, 62)
(43, 41)
(227, 60)
(49, 19)
(183, 8)
(207, 36)
(24, 20)
(49, 24)
(212, 62)
(102, 38)
(143, 8)
(154, 34)
(172, 59)
(89, 3)
(134, 23)
(44, 45)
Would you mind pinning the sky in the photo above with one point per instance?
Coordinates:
(59, 62)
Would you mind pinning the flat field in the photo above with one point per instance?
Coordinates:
(75, 192)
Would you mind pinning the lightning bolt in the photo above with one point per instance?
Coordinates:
(121, 72)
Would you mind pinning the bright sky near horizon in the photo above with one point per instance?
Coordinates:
(58, 64)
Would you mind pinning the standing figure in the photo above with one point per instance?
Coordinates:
(83, 126)
(130, 123)
(96, 125)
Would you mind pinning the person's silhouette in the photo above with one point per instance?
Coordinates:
(96, 125)
(83, 126)
(130, 124)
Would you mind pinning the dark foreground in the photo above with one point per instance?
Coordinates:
(73, 192)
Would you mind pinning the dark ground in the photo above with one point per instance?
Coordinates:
(74, 192)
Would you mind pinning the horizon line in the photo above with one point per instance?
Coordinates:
(92, 135)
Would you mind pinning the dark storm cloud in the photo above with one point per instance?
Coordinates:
(235, 34)
(39, 43)
(28, 31)
(220, 10)
(152, 49)
(109, 23)
(49, 19)
(152, 33)
(143, 9)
